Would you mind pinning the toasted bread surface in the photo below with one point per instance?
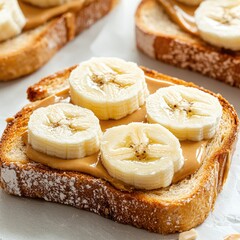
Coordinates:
(30, 50)
(173, 209)
(160, 38)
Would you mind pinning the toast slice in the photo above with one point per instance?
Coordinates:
(176, 208)
(30, 50)
(162, 39)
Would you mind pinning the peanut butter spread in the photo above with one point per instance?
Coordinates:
(193, 152)
(181, 14)
(37, 16)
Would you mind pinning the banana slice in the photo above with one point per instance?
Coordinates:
(112, 88)
(191, 2)
(140, 154)
(218, 23)
(64, 130)
(48, 3)
(12, 19)
(189, 113)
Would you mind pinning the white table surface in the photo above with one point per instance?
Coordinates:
(26, 219)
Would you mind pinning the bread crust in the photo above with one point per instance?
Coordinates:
(187, 52)
(50, 39)
(156, 211)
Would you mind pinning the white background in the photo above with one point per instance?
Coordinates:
(114, 36)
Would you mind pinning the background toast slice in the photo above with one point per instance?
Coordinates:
(176, 208)
(30, 50)
(160, 38)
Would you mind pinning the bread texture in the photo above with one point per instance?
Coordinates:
(162, 39)
(177, 208)
(30, 50)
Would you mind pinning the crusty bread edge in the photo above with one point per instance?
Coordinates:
(97, 195)
(58, 32)
(199, 57)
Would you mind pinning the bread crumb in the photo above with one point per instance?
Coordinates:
(232, 237)
(10, 119)
(188, 235)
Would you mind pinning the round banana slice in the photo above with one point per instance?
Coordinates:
(143, 155)
(112, 88)
(189, 113)
(12, 19)
(191, 2)
(64, 130)
(47, 3)
(218, 23)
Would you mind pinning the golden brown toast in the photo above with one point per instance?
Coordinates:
(30, 50)
(176, 208)
(160, 38)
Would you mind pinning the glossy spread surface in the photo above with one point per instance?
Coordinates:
(193, 152)
(181, 14)
(37, 16)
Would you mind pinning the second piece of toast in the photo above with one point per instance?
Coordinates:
(160, 38)
(30, 50)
